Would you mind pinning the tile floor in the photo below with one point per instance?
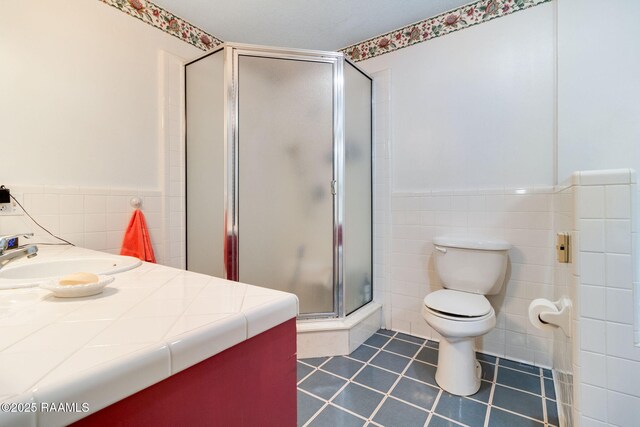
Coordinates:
(389, 381)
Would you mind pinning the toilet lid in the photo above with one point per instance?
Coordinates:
(458, 303)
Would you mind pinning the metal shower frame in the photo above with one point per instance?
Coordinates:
(231, 53)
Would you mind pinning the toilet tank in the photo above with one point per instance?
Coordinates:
(471, 264)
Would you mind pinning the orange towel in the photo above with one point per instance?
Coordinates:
(136, 240)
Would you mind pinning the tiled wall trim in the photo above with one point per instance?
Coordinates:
(166, 21)
(457, 19)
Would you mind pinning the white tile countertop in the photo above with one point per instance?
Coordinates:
(150, 323)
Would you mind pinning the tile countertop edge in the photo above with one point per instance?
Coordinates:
(263, 317)
(104, 384)
(190, 348)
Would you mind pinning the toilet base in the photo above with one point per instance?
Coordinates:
(458, 371)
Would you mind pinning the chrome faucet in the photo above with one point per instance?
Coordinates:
(6, 255)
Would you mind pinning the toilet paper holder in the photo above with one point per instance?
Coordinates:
(545, 314)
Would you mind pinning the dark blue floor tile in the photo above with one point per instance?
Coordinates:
(520, 366)
(302, 370)
(394, 413)
(519, 380)
(378, 379)
(549, 389)
(517, 397)
(419, 394)
(429, 355)
(422, 372)
(377, 340)
(410, 338)
(315, 361)
(390, 361)
(552, 412)
(342, 366)
(488, 371)
(518, 402)
(364, 353)
(499, 418)
(437, 421)
(322, 384)
(432, 344)
(486, 358)
(402, 347)
(461, 409)
(358, 399)
(484, 393)
(332, 417)
(307, 406)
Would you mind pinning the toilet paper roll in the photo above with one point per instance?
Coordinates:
(538, 306)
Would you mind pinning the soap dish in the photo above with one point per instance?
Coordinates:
(75, 291)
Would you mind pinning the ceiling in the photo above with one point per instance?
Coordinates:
(308, 24)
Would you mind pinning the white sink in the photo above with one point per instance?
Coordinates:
(33, 272)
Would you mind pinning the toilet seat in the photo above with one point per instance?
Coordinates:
(460, 319)
(457, 305)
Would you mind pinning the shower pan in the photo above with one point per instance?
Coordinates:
(278, 174)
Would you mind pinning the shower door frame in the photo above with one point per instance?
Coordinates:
(231, 62)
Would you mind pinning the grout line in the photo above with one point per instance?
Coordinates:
(517, 389)
(342, 408)
(315, 369)
(306, 376)
(544, 403)
(315, 414)
(433, 408)
(428, 420)
(305, 363)
(313, 417)
(426, 363)
(517, 413)
(493, 388)
(457, 423)
(523, 372)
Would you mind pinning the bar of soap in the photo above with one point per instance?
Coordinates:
(74, 279)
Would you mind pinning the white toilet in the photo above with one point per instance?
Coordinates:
(469, 269)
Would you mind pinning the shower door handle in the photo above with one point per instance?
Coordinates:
(334, 186)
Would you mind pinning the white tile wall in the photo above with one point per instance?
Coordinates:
(524, 217)
(94, 218)
(173, 206)
(607, 366)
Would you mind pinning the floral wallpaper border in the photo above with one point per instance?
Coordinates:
(457, 19)
(158, 17)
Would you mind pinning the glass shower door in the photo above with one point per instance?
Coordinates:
(285, 172)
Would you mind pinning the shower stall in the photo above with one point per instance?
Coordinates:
(278, 174)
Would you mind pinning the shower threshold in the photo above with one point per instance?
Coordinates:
(335, 337)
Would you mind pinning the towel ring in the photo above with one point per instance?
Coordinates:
(135, 202)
